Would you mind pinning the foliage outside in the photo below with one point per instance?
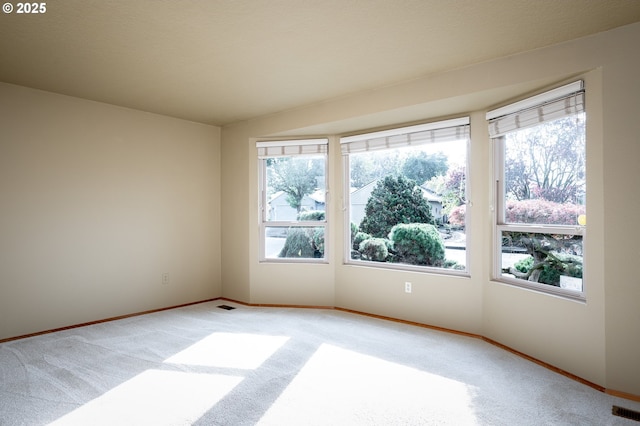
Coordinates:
(547, 161)
(298, 244)
(305, 242)
(423, 166)
(358, 238)
(318, 215)
(398, 199)
(374, 249)
(457, 215)
(398, 227)
(394, 200)
(419, 166)
(452, 187)
(531, 211)
(295, 176)
(550, 271)
(418, 244)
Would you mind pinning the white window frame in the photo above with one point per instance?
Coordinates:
(554, 104)
(420, 134)
(290, 148)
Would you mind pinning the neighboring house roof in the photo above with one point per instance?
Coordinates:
(317, 196)
(275, 196)
(430, 195)
(361, 195)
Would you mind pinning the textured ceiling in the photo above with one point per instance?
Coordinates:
(223, 61)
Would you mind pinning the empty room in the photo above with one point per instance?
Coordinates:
(352, 212)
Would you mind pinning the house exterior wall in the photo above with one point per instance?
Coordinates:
(280, 209)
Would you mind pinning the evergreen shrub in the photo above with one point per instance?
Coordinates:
(374, 249)
(418, 244)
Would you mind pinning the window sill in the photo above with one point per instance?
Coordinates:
(576, 296)
(408, 268)
(294, 261)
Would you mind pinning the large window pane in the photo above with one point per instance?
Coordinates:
(407, 205)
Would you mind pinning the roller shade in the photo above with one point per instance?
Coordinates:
(552, 105)
(441, 131)
(268, 149)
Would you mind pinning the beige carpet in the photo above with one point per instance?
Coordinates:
(274, 366)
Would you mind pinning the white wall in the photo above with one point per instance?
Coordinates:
(621, 180)
(593, 340)
(97, 202)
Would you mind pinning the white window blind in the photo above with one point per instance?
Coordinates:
(552, 105)
(291, 147)
(441, 131)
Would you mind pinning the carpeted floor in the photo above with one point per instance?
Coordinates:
(204, 365)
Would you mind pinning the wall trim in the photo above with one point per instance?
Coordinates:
(541, 363)
(119, 317)
(624, 395)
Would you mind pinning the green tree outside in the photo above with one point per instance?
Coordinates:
(423, 166)
(295, 176)
(394, 200)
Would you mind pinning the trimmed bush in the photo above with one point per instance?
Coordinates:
(318, 215)
(298, 244)
(305, 242)
(354, 231)
(359, 237)
(566, 264)
(374, 249)
(417, 244)
(530, 211)
(543, 211)
(452, 264)
(318, 241)
(573, 265)
(548, 275)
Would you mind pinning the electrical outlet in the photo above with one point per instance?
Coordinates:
(165, 278)
(407, 287)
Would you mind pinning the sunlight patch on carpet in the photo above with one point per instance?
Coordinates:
(230, 350)
(155, 397)
(339, 386)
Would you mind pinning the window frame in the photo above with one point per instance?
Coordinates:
(464, 121)
(500, 223)
(288, 148)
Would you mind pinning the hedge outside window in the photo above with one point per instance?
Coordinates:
(540, 171)
(293, 198)
(406, 197)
